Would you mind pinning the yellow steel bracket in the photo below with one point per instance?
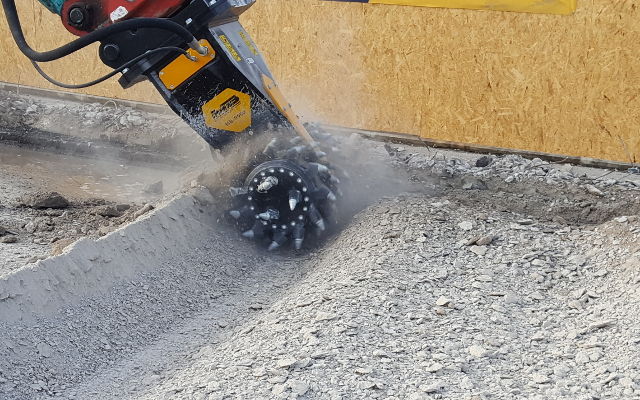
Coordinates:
(285, 108)
(181, 69)
(530, 6)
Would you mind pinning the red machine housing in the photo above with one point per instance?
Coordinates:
(100, 13)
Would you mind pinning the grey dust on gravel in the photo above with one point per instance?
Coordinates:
(473, 286)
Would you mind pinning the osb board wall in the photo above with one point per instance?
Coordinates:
(559, 84)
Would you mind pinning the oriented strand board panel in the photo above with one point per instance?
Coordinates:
(559, 84)
(532, 6)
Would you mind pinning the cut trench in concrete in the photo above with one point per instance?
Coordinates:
(67, 317)
(91, 267)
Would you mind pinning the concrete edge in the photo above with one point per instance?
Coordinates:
(412, 140)
(83, 98)
(94, 266)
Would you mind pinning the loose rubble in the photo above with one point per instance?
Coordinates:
(498, 277)
(453, 294)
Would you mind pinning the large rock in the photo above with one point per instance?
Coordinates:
(45, 200)
(108, 211)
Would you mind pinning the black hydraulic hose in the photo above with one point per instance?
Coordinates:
(136, 23)
(112, 73)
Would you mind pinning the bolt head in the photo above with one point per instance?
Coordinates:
(76, 16)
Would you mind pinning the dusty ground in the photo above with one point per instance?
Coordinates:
(101, 195)
(513, 279)
(43, 122)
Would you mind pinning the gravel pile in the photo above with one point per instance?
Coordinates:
(515, 169)
(419, 299)
(471, 287)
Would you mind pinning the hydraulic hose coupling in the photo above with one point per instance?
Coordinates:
(195, 45)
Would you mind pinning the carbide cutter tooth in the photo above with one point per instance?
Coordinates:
(269, 215)
(255, 232)
(279, 239)
(243, 212)
(237, 191)
(271, 147)
(295, 140)
(295, 151)
(316, 217)
(294, 198)
(298, 236)
(322, 169)
(324, 193)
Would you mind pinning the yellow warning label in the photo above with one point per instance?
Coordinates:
(248, 42)
(225, 41)
(228, 111)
